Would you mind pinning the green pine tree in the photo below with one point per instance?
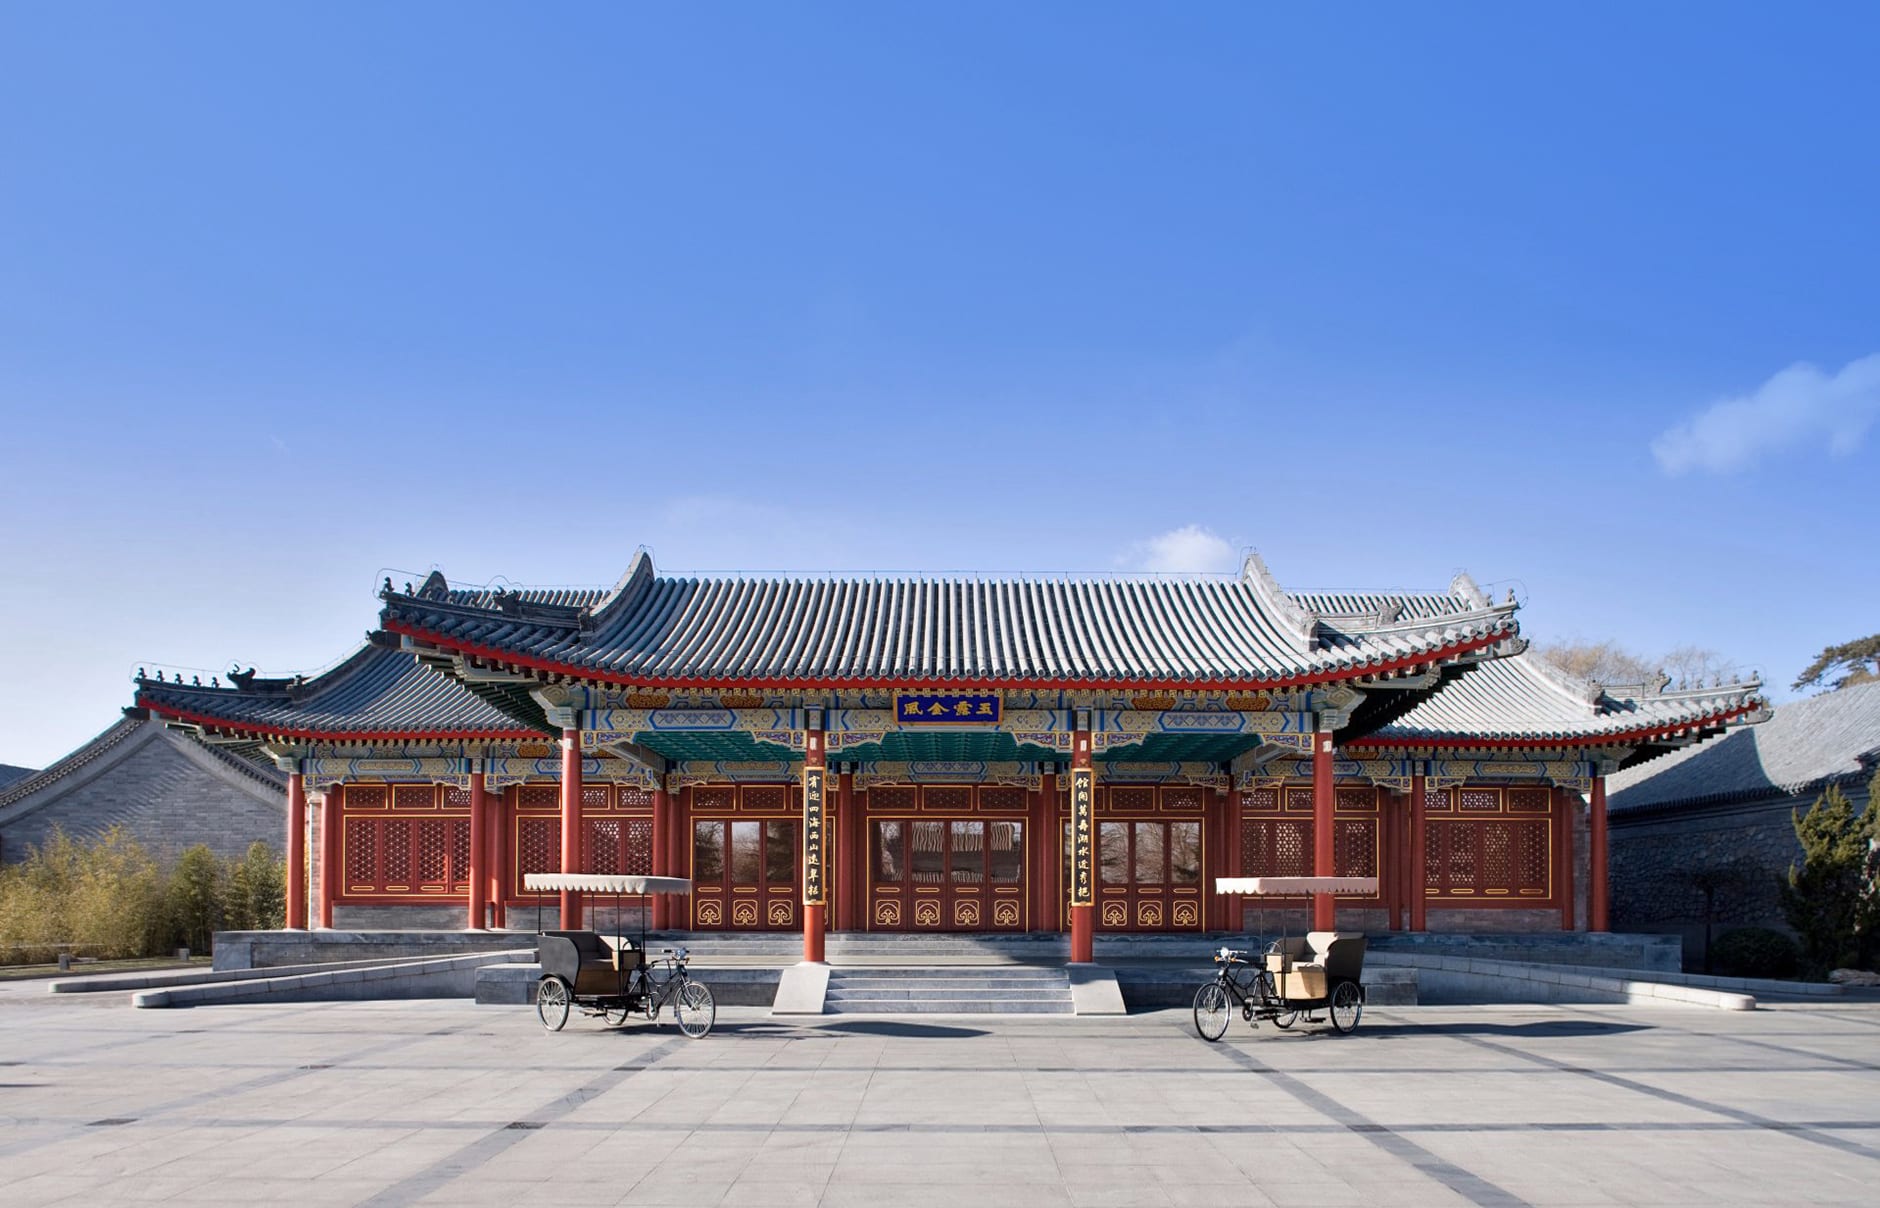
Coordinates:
(1829, 897)
(195, 898)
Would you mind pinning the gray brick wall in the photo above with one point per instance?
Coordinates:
(162, 795)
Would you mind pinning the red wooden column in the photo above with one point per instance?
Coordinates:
(662, 855)
(1598, 906)
(1390, 859)
(499, 858)
(1083, 847)
(296, 850)
(479, 853)
(815, 772)
(1324, 798)
(1046, 894)
(1233, 904)
(1215, 860)
(329, 855)
(1419, 843)
(1563, 859)
(571, 824)
(851, 849)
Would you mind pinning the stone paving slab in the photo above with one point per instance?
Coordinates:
(428, 1102)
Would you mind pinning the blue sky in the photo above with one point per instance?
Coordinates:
(294, 296)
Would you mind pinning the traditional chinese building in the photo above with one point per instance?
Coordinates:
(952, 753)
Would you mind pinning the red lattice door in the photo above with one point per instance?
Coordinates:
(745, 874)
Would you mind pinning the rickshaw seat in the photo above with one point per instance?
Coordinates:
(1339, 953)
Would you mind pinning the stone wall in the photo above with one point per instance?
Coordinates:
(1658, 858)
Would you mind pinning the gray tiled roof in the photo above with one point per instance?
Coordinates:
(1182, 630)
(378, 691)
(1523, 698)
(10, 772)
(1806, 743)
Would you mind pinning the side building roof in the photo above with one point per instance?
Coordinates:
(102, 749)
(378, 693)
(1196, 631)
(1524, 702)
(1805, 746)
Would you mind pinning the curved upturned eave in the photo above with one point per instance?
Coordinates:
(248, 728)
(1582, 738)
(1338, 670)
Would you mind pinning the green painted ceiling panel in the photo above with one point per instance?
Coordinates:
(732, 746)
(1183, 748)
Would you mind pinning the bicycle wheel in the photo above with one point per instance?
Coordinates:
(1211, 1012)
(551, 1002)
(1347, 1005)
(615, 1014)
(694, 1009)
(1285, 1019)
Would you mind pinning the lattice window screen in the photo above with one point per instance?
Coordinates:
(459, 852)
(1438, 801)
(365, 797)
(894, 799)
(362, 851)
(1472, 800)
(635, 798)
(765, 797)
(1132, 799)
(1529, 800)
(603, 853)
(1356, 798)
(1354, 852)
(1001, 798)
(639, 847)
(414, 797)
(1299, 800)
(1184, 797)
(715, 797)
(538, 847)
(594, 797)
(1260, 799)
(539, 796)
(397, 854)
(433, 851)
(950, 798)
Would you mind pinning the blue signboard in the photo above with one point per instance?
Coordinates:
(947, 708)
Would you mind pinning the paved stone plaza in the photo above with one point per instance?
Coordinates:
(443, 1102)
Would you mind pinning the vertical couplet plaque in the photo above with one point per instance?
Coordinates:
(1083, 871)
(813, 836)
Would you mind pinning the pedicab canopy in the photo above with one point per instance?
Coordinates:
(1295, 886)
(587, 882)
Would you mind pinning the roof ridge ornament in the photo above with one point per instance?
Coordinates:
(1465, 586)
(1255, 573)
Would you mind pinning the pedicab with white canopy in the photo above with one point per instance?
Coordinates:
(611, 976)
(1295, 977)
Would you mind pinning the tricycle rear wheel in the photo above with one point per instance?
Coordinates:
(1347, 1004)
(551, 1002)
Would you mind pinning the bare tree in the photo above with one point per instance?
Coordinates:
(1600, 662)
(1694, 665)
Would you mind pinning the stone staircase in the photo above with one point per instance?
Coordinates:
(958, 989)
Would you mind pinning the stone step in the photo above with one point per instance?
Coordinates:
(948, 1006)
(929, 991)
(946, 991)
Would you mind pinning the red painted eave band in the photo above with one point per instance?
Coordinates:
(796, 682)
(262, 731)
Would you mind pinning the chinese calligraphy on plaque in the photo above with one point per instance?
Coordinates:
(1083, 871)
(947, 708)
(812, 836)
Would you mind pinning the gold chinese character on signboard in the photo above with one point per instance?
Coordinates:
(985, 708)
(912, 708)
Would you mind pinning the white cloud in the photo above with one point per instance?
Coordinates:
(1188, 549)
(1800, 405)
